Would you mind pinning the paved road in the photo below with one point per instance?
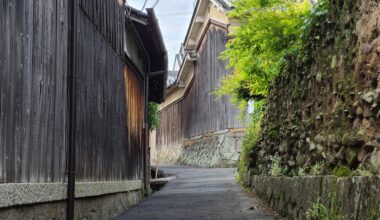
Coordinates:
(198, 194)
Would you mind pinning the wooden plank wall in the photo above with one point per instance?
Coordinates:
(110, 139)
(33, 94)
(170, 130)
(200, 112)
(33, 72)
(204, 112)
(107, 16)
(135, 105)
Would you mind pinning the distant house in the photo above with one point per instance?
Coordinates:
(197, 128)
(76, 99)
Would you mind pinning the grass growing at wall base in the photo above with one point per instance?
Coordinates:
(250, 138)
(318, 211)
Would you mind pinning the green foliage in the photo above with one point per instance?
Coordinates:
(317, 169)
(374, 213)
(314, 19)
(342, 171)
(318, 211)
(250, 138)
(276, 169)
(271, 34)
(154, 119)
(301, 171)
(273, 133)
(363, 171)
(308, 170)
(258, 112)
(269, 30)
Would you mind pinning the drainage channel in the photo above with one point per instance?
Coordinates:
(159, 179)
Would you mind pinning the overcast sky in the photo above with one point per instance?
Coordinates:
(174, 18)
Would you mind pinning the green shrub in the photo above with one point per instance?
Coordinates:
(269, 30)
(153, 117)
(317, 169)
(276, 169)
(342, 171)
(250, 138)
(318, 211)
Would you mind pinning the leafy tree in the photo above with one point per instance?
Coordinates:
(269, 30)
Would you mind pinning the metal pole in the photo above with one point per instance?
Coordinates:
(146, 147)
(72, 84)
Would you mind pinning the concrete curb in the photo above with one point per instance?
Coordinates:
(30, 193)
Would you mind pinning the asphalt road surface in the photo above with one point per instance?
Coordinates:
(199, 194)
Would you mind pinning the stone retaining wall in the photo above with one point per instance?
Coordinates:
(356, 198)
(326, 111)
(217, 149)
(101, 200)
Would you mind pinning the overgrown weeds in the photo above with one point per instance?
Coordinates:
(250, 138)
(318, 211)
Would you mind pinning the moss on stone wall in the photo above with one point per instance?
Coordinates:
(326, 108)
(337, 198)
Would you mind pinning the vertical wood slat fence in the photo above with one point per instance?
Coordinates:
(33, 78)
(33, 94)
(200, 111)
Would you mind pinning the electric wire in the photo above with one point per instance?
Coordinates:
(144, 5)
(129, 8)
(155, 4)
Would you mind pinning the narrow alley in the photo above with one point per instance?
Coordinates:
(282, 96)
(198, 193)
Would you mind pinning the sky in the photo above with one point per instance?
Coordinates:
(174, 18)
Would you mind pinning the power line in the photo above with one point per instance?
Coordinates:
(129, 8)
(144, 5)
(155, 4)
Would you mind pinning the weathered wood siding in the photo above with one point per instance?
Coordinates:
(33, 98)
(170, 131)
(109, 140)
(107, 17)
(135, 106)
(201, 112)
(33, 72)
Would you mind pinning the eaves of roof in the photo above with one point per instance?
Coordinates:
(150, 34)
